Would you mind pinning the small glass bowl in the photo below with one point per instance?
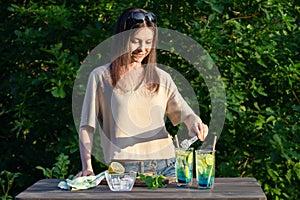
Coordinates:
(120, 182)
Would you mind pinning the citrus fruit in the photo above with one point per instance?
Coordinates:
(116, 168)
(186, 171)
(209, 159)
(200, 169)
(189, 158)
(183, 154)
(201, 161)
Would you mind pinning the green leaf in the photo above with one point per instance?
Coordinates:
(297, 170)
(153, 182)
(58, 92)
(271, 119)
(274, 175)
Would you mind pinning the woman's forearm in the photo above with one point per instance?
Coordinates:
(85, 144)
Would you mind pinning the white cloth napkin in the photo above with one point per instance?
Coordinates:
(81, 183)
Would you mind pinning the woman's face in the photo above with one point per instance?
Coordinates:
(141, 44)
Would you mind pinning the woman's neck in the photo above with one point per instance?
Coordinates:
(134, 65)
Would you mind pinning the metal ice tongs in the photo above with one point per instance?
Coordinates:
(185, 144)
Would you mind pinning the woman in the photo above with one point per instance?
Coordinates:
(130, 97)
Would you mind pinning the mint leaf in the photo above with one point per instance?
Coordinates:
(153, 182)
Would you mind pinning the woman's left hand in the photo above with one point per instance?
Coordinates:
(196, 127)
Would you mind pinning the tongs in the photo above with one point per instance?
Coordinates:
(185, 144)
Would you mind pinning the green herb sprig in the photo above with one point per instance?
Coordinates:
(153, 182)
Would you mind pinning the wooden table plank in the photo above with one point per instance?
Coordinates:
(225, 189)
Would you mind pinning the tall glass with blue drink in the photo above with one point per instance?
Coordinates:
(205, 168)
(184, 166)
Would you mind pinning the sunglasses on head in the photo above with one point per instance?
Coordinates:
(140, 17)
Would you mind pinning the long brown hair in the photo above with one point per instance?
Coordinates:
(121, 56)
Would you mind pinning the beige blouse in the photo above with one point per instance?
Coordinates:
(131, 118)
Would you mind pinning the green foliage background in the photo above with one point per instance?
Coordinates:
(254, 43)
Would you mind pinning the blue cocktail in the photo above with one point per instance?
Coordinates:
(184, 166)
(205, 168)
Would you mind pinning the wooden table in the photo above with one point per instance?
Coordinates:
(225, 189)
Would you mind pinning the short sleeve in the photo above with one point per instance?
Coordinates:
(90, 107)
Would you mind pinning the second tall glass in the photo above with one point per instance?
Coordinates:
(205, 168)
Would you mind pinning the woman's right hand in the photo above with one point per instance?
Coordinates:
(84, 173)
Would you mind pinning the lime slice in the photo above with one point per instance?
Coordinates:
(209, 159)
(116, 168)
(200, 169)
(201, 161)
(189, 158)
(186, 171)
